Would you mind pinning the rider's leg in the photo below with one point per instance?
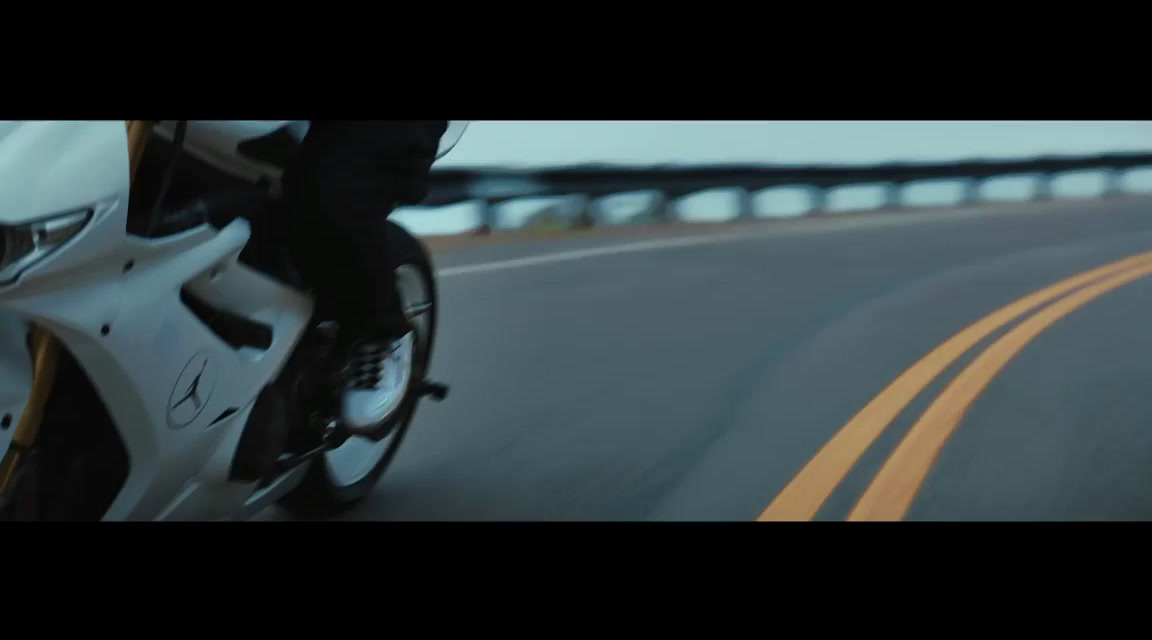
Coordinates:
(348, 177)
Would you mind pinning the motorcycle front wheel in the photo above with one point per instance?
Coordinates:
(345, 476)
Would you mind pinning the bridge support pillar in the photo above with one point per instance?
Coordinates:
(1043, 187)
(892, 195)
(818, 198)
(587, 212)
(663, 207)
(971, 191)
(746, 204)
(1114, 183)
(489, 214)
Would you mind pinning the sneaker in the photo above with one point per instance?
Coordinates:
(378, 381)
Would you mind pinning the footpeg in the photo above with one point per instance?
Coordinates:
(437, 390)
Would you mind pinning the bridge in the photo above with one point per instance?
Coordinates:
(493, 186)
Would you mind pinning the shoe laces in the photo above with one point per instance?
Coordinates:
(367, 364)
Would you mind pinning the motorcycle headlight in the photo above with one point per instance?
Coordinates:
(22, 246)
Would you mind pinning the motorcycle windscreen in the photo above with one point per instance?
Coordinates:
(451, 137)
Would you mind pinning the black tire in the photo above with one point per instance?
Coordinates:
(317, 496)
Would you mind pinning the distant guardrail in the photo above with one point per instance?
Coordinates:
(492, 186)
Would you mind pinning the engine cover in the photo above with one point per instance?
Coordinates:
(264, 439)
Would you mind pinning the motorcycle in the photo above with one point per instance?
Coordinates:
(166, 361)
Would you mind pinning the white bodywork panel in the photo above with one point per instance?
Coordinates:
(179, 457)
(154, 348)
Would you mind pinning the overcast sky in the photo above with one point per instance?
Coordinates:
(562, 142)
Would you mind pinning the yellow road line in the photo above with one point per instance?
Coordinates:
(806, 493)
(898, 481)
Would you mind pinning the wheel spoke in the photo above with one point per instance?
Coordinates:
(418, 309)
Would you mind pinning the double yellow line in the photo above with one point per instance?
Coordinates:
(896, 484)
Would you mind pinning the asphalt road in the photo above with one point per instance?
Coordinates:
(696, 381)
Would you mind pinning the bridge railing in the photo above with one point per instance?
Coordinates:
(490, 187)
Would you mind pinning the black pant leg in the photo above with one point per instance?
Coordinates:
(347, 179)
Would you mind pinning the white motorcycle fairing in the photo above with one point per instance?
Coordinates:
(218, 142)
(179, 396)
